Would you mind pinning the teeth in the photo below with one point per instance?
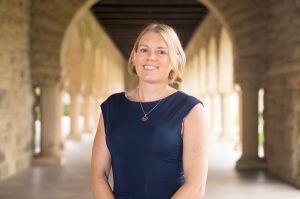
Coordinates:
(149, 67)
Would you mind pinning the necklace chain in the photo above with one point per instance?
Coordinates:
(145, 117)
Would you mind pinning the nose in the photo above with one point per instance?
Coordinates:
(151, 55)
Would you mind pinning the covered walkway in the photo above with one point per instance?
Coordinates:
(72, 180)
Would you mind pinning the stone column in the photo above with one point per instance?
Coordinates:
(226, 117)
(249, 127)
(87, 113)
(95, 108)
(215, 114)
(96, 111)
(51, 111)
(74, 114)
(207, 105)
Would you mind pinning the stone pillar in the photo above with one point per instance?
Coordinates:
(215, 114)
(51, 111)
(249, 127)
(74, 114)
(96, 111)
(226, 117)
(87, 113)
(207, 104)
(95, 108)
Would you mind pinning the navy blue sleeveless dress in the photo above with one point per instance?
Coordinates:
(146, 156)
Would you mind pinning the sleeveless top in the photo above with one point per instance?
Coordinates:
(146, 156)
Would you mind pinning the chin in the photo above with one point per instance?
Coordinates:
(149, 81)
(152, 80)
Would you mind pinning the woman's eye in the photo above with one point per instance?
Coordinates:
(143, 50)
(161, 52)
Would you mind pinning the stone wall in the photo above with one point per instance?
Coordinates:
(15, 88)
(282, 90)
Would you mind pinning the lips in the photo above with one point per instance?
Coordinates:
(150, 67)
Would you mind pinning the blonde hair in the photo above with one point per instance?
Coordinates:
(176, 53)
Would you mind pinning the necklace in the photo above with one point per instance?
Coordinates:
(145, 117)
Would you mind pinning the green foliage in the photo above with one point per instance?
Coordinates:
(261, 135)
(66, 109)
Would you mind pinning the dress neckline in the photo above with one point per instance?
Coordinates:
(164, 98)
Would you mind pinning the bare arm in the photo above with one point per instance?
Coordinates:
(195, 158)
(100, 165)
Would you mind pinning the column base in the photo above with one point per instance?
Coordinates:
(74, 136)
(48, 161)
(250, 163)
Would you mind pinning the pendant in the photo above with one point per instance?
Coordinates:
(144, 118)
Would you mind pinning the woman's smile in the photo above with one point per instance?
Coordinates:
(150, 67)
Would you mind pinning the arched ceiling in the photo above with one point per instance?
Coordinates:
(124, 19)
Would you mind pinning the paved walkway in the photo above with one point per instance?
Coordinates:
(224, 182)
(72, 180)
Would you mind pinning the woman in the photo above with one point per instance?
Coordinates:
(154, 137)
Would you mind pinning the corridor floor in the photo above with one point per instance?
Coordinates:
(72, 180)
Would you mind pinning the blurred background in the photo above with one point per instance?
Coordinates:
(59, 59)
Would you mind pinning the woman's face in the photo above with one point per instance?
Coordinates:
(151, 60)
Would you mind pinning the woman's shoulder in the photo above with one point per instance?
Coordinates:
(114, 96)
(188, 99)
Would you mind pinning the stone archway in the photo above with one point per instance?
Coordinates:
(249, 52)
(246, 33)
(225, 84)
(258, 64)
(49, 24)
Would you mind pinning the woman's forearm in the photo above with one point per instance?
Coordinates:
(101, 189)
(189, 191)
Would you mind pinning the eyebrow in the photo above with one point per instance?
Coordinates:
(160, 47)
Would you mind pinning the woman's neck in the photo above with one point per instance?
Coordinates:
(152, 92)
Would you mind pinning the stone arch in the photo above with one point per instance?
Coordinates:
(49, 25)
(87, 66)
(72, 59)
(98, 70)
(97, 82)
(212, 65)
(87, 93)
(225, 63)
(194, 74)
(225, 84)
(203, 69)
(212, 84)
(248, 35)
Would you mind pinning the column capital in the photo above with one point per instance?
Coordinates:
(249, 82)
(75, 88)
(46, 79)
